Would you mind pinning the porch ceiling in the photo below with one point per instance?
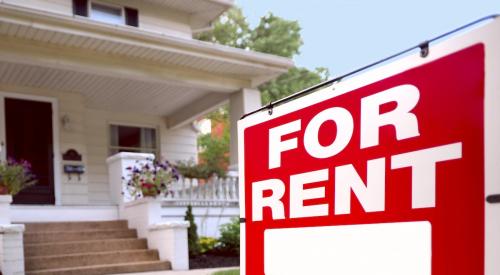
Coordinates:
(104, 92)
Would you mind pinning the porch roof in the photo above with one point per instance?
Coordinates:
(122, 68)
(81, 33)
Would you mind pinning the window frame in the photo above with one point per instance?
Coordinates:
(156, 150)
(110, 5)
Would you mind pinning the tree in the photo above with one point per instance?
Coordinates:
(294, 80)
(273, 35)
(230, 29)
(215, 146)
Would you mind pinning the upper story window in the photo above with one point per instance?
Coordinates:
(107, 13)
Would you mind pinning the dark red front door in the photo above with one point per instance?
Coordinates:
(28, 126)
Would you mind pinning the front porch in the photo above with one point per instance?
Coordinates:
(102, 89)
(96, 75)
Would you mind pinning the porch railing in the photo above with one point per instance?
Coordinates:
(216, 191)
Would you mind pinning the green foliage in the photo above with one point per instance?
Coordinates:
(230, 29)
(296, 79)
(16, 176)
(228, 272)
(215, 148)
(230, 237)
(214, 153)
(189, 169)
(275, 35)
(207, 244)
(193, 242)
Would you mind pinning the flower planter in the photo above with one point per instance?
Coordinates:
(149, 190)
(5, 201)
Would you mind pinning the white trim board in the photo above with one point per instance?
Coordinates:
(50, 213)
(55, 134)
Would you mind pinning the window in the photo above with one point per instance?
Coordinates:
(132, 139)
(106, 13)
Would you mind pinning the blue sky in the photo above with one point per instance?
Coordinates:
(344, 35)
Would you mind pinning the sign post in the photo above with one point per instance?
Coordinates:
(392, 172)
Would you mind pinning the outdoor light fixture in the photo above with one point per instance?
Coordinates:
(65, 121)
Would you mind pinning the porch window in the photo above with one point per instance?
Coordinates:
(132, 139)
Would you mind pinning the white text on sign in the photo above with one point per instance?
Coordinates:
(370, 194)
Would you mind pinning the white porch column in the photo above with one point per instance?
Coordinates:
(240, 103)
(11, 249)
(5, 201)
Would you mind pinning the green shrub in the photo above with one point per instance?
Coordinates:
(230, 238)
(192, 170)
(207, 244)
(193, 244)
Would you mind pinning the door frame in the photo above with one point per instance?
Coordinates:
(55, 133)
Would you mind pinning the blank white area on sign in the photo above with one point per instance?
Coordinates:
(367, 249)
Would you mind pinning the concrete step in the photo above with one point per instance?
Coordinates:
(63, 236)
(107, 269)
(74, 226)
(90, 259)
(62, 248)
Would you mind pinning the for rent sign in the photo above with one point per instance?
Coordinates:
(386, 173)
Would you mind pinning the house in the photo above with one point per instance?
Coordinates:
(83, 80)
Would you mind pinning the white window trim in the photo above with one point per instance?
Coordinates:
(157, 150)
(111, 5)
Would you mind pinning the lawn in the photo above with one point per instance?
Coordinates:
(228, 272)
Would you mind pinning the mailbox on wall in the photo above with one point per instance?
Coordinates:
(73, 164)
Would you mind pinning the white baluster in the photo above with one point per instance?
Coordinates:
(190, 184)
(197, 190)
(226, 188)
(237, 188)
(230, 186)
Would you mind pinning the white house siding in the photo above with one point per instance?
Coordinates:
(159, 19)
(73, 191)
(180, 144)
(88, 133)
(54, 6)
(151, 18)
(97, 134)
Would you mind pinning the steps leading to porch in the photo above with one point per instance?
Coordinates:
(87, 248)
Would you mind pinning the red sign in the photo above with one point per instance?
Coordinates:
(404, 152)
